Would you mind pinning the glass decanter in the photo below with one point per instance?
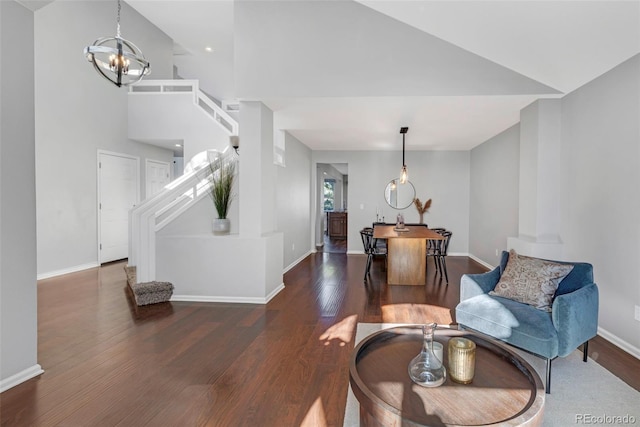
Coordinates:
(426, 369)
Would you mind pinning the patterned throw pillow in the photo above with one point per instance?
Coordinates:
(531, 281)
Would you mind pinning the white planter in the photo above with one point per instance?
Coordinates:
(221, 226)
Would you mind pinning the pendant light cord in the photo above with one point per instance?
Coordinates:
(118, 20)
(403, 163)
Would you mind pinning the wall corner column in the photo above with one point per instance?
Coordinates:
(18, 283)
(257, 187)
(540, 171)
(257, 172)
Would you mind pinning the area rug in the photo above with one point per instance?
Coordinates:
(581, 393)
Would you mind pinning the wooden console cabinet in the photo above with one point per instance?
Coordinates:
(337, 224)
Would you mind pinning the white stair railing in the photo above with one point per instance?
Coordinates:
(168, 87)
(155, 213)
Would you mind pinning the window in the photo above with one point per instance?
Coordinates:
(329, 194)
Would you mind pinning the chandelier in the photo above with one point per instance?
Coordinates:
(117, 60)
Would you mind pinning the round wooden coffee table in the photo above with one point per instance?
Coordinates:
(505, 390)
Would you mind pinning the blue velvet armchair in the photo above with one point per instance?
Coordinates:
(573, 319)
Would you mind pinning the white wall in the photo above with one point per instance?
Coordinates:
(18, 302)
(175, 117)
(439, 175)
(231, 268)
(258, 173)
(396, 58)
(600, 191)
(540, 142)
(493, 211)
(293, 214)
(79, 112)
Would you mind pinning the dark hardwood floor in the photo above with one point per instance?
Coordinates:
(108, 362)
(333, 245)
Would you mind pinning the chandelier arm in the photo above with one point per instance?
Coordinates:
(120, 58)
(102, 73)
(139, 58)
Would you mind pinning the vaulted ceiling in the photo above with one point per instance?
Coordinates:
(346, 75)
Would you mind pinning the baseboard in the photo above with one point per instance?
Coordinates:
(68, 270)
(355, 252)
(20, 377)
(481, 262)
(273, 293)
(224, 299)
(296, 262)
(613, 339)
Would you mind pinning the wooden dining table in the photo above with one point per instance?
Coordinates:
(406, 252)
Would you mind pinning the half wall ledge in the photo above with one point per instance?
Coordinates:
(535, 248)
(232, 268)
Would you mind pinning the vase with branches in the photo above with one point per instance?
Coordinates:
(422, 208)
(221, 178)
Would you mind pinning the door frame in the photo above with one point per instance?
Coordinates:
(99, 194)
(146, 166)
(317, 208)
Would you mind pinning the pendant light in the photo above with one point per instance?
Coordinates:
(117, 60)
(404, 175)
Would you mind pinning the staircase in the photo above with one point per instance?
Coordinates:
(174, 110)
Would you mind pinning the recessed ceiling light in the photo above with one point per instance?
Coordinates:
(178, 145)
(208, 49)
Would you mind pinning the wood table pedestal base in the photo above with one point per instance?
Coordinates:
(407, 261)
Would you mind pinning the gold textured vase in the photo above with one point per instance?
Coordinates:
(462, 359)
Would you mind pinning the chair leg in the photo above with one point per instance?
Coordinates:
(548, 385)
(444, 267)
(367, 267)
(585, 351)
(426, 265)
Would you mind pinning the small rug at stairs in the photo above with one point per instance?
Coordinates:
(581, 393)
(148, 292)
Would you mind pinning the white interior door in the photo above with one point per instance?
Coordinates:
(157, 175)
(118, 184)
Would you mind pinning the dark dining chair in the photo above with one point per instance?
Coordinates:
(381, 244)
(371, 248)
(433, 247)
(437, 249)
(444, 248)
